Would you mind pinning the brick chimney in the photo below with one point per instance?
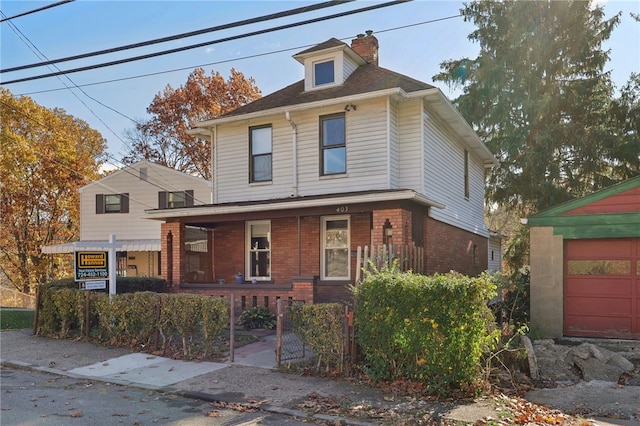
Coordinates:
(366, 46)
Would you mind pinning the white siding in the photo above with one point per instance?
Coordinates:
(349, 67)
(444, 178)
(494, 255)
(143, 195)
(366, 133)
(410, 145)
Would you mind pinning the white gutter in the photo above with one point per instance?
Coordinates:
(294, 108)
(214, 166)
(405, 195)
(388, 143)
(294, 143)
(211, 134)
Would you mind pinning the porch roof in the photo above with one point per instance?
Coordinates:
(293, 203)
(121, 245)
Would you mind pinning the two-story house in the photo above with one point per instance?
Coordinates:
(116, 204)
(351, 155)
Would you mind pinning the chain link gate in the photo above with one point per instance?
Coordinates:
(288, 345)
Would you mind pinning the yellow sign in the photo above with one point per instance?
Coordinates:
(91, 265)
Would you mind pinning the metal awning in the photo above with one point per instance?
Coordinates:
(121, 245)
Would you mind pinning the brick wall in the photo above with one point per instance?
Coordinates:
(228, 250)
(450, 248)
(172, 257)
(400, 220)
(284, 249)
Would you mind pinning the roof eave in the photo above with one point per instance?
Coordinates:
(267, 205)
(298, 107)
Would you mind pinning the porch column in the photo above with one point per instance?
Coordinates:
(172, 255)
(396, 223)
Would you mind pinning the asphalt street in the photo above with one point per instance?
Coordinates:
(35, 398)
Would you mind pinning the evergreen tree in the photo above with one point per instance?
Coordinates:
(538, 95)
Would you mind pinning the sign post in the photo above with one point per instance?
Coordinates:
(112, 265)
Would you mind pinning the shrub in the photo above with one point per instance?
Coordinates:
(123, 285)
(320, 326)
(183, 312)
(215, 317)
(432, 329)
(258, 317)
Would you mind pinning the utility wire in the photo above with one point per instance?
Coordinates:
(262, 18)
(257, 55)
(37, 10)
(125, 169)
(208, 43)
(38, 53)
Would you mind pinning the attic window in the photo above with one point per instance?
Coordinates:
(323, 73)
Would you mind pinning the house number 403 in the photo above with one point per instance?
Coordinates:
(342, 209)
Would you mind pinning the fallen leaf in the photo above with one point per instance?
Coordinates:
(214, 413)
(75, 413)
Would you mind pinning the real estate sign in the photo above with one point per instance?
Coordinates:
(91, 265)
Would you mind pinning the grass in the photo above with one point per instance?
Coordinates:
(16, 318)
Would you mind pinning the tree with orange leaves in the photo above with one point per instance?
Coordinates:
(163, 139)
(46, 155)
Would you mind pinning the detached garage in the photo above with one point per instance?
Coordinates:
(585, 266)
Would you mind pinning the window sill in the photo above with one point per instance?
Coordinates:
(334, 176)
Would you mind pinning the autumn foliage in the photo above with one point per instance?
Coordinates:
(46, 156)
(164, 139)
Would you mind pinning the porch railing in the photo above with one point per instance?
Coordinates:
(383, 256)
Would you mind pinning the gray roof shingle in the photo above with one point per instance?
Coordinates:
(366, 78)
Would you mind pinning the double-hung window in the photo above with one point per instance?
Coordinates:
(335, 248)
(323, 73)
(333, 148)
(175, 199)
(260, 147)
(259, 250)
(112, 203)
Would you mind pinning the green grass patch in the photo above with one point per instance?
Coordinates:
(16, 319)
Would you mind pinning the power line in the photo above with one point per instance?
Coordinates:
(194, 46)
(85, 177)
(37, 10)
(257, 55)
(38, 53)
(262, 18)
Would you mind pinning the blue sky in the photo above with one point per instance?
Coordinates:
(408, 44)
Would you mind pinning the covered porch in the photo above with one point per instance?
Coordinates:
(300, 248)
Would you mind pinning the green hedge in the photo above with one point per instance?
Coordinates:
(427, 328)
(320, 326)
(133, 319)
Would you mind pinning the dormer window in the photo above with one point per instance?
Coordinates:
(323, 73)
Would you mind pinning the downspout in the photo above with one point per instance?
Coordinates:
(214, 168)
(388, 143)
(294, 143)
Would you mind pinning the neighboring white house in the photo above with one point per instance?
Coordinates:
(115, 204)
(351, 155)
(495, 252)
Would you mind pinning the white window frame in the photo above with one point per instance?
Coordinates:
(250, 251)
(323, 248)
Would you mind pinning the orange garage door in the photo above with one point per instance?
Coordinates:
(601, 288)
